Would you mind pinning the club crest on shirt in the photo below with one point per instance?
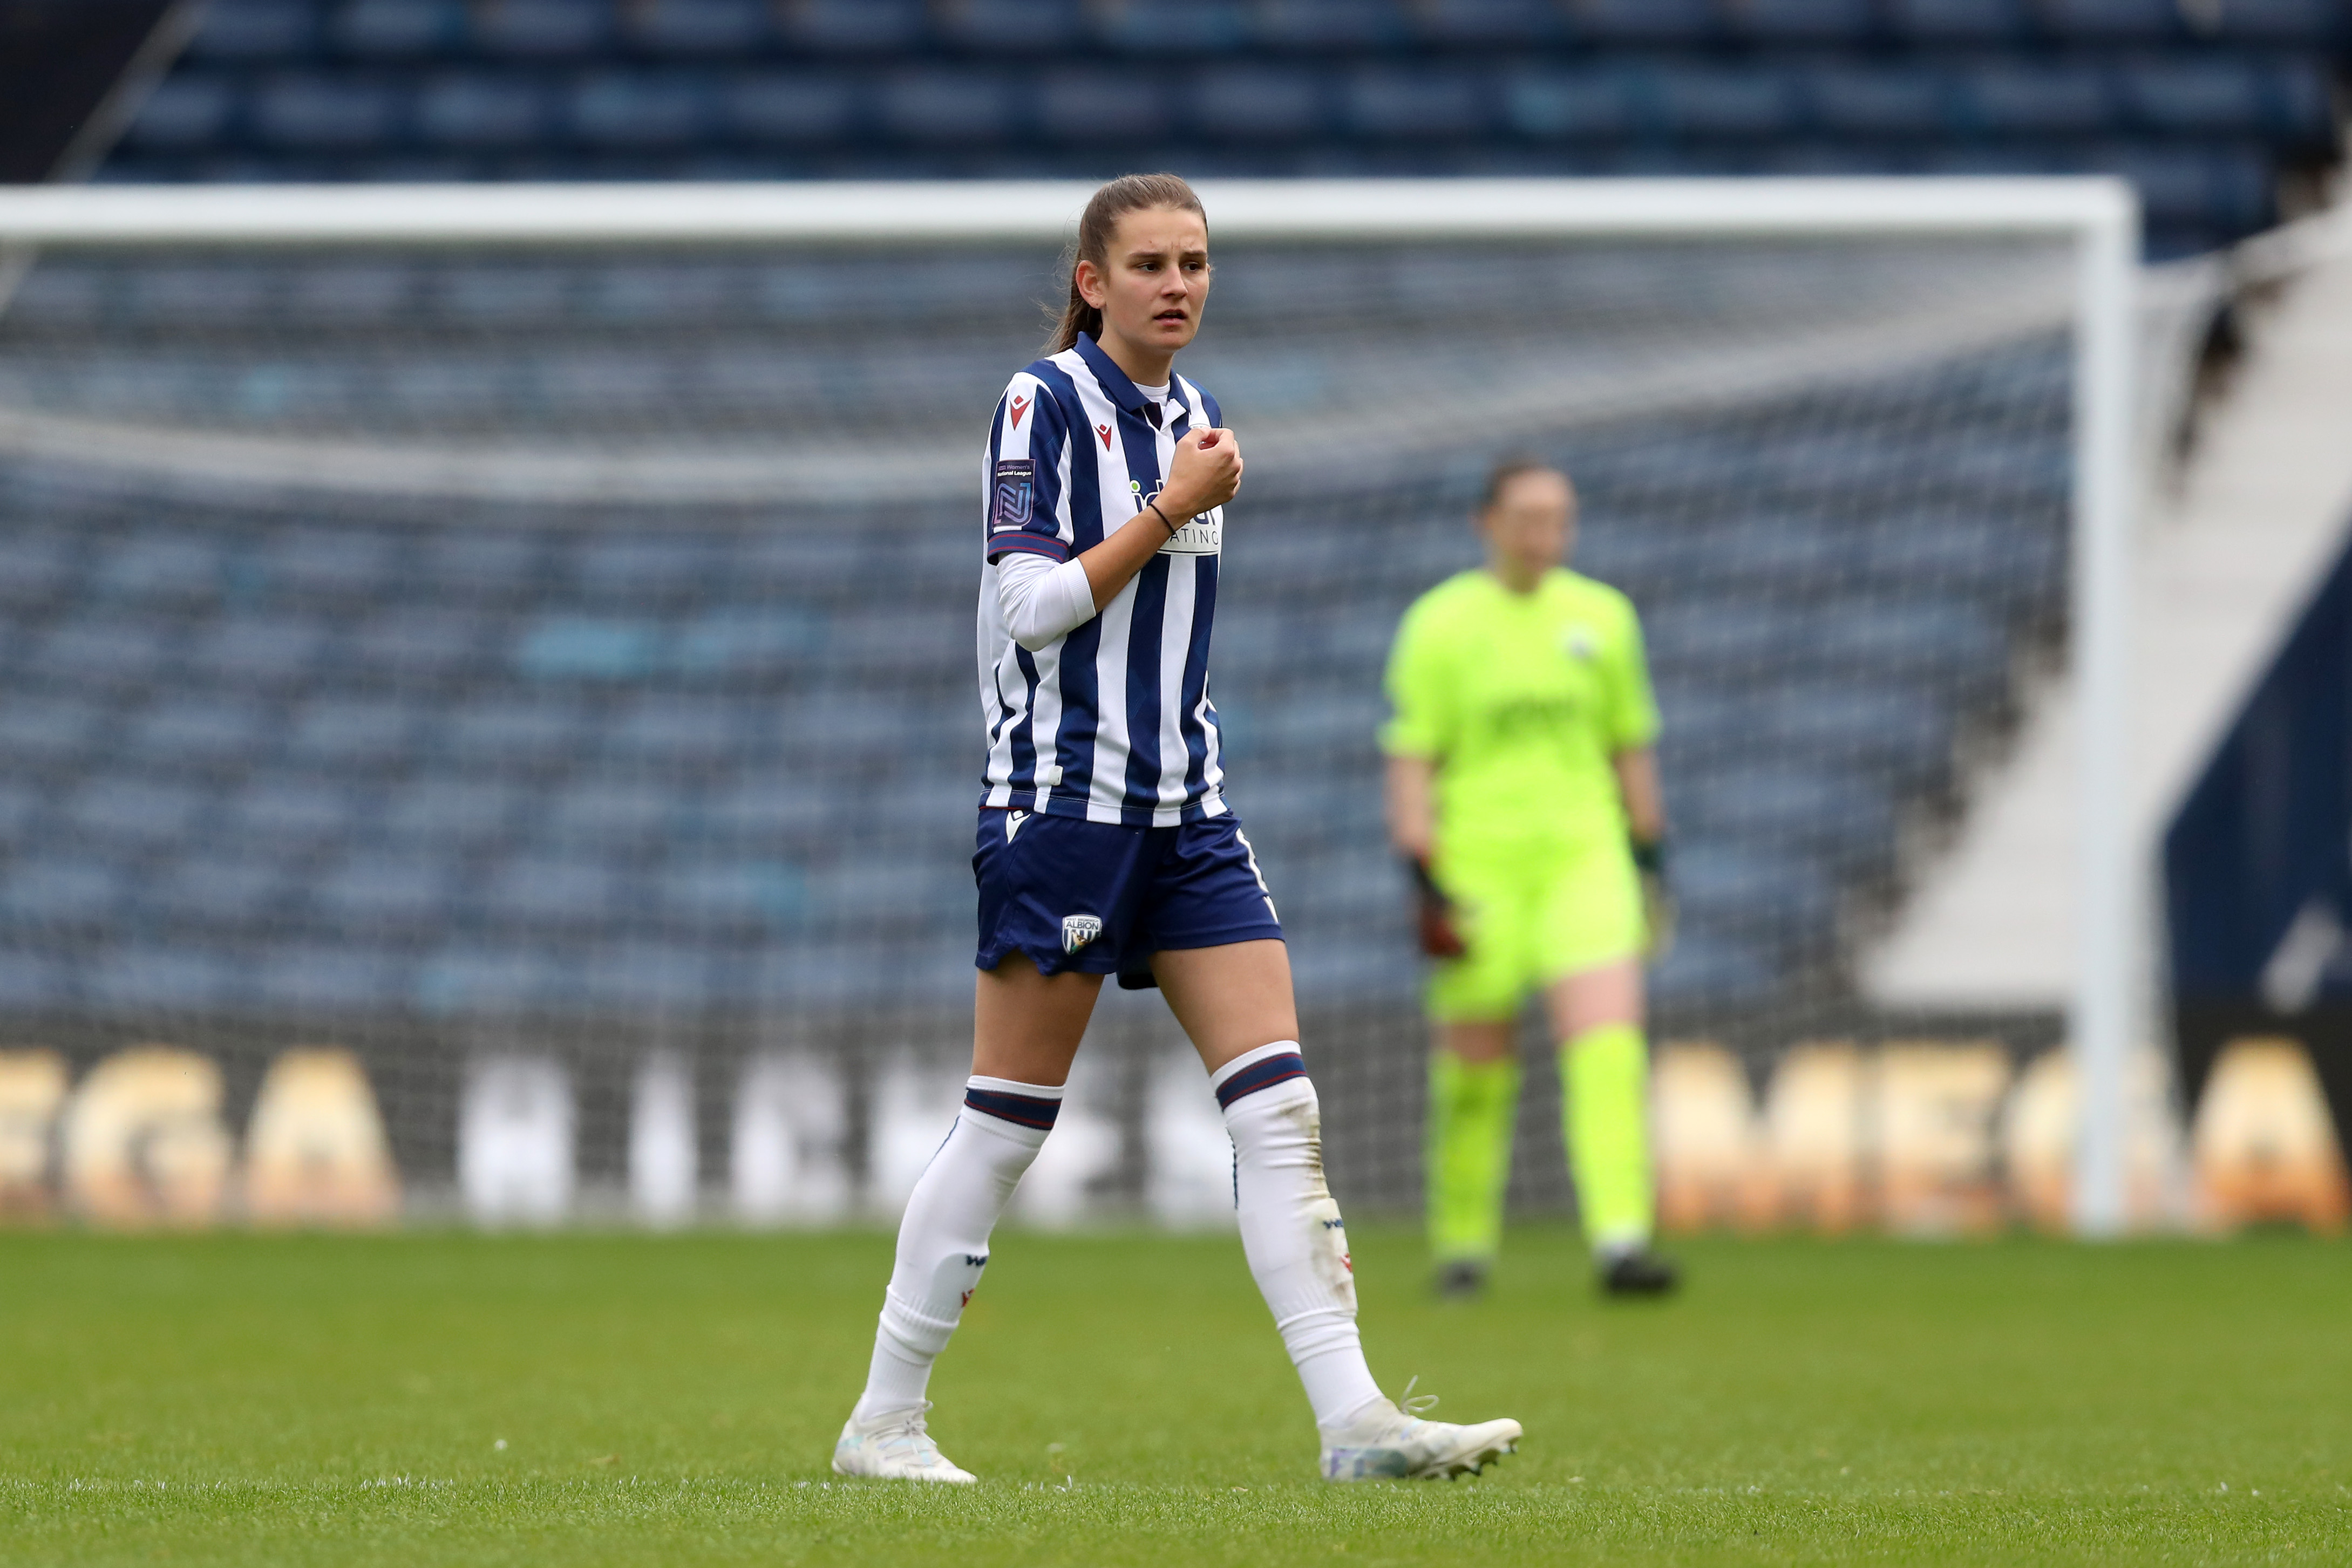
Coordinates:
(1014, 500)
(1077, 930)
(1578, 642)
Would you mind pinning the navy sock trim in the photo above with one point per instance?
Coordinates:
(1021, 1109)
(1262, 1075)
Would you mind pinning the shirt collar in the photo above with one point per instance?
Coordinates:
(1114, 381)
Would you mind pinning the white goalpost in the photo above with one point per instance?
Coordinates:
(705, 462)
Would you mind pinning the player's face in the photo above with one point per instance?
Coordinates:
(1154, 280)
(1532, 524)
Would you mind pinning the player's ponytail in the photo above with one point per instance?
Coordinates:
(1128, 194)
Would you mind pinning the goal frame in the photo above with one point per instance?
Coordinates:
(2099, 216)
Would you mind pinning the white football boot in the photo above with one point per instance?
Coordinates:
(894, 1447)
(1394, 1443)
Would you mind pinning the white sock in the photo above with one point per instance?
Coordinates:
(943, 1239)
(1291, 1230)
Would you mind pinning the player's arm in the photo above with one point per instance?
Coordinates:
(1412, 806)
(1633, 723)
(1206, 472)
(1414, 741)
(1637, 786)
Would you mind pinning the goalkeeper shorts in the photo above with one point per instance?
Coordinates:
(1530, 916)
(1101, 898)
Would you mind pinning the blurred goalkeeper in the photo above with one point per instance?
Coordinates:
(1523, 793)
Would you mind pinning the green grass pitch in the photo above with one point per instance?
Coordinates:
(623, 1399)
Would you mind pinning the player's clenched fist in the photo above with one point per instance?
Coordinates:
(1206, 474)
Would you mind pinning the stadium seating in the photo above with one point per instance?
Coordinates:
(2203, 112)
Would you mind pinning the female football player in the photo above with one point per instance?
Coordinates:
(1105, 845)
(1523, 793)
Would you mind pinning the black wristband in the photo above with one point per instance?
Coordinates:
(1423, 881)
(1172, 527)
(1650, 856)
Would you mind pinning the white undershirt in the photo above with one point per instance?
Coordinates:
(1042, 599)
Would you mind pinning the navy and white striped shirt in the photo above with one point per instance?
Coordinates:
(1111, 721)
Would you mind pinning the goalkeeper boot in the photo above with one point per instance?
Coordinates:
(1391, 1443)
(1637, 1271)
(1462, 1280)
(894, 1447)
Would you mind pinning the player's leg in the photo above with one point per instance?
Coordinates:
(1594, 930)
(1230, 1000)
(1051, 898)
(1473, 1073)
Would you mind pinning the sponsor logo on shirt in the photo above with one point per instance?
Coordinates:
(1204, 535)
(1077, 930)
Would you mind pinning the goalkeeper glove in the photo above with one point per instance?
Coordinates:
(1433, 913)
(1657, 897)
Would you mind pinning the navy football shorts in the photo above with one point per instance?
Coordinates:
(1100, 898)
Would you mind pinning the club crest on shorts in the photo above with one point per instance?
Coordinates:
(1077, 930)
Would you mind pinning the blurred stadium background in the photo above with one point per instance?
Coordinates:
(534, 688)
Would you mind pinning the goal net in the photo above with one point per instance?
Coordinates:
(488, 711)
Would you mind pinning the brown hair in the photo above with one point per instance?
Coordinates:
(1128, 194)
(1505, 469)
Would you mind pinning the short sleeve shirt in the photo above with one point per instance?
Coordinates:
(1522, 701)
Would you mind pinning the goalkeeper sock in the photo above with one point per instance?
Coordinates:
(943, 1239)
(1291, 1231)
(1472, 1105)
(1605, 1072)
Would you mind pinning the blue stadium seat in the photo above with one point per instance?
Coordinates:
(256, 30)
(542, 30)
(187, 110)
(383, 892)
(1038, 29)
(495, 565)
(477, 976)
(773, 808)
(454, 814)
(2317, 23)
(1783, 899)
(789, 109)
(943, 106)
(672, 732)
(133, 813)
(1707, 969)
(325, 113)
(54, 887)
(2218, 94)
(1614, 23)
(397, 29)
(1968, 555)
(636, 109)
(96, 655)
(1691, 101)
(311, 978)
(1813, 811)
(330, 565)
(646, 567)
(1419, 104)
(153, 979)
(1086, 104)
(743, 640)
(1164, 27)
(190, 730)
(351, 732)
(46, 728)
(1848, 98)
(889, 894)
(2114, 21)
(1806, 21)
(480, 109)
(216, 890)
(554, 892)
(2011, 98)
(1330, 26)
(31, 985)
(507, 733)
(718, 29)
(283, 813)
(1725, 639)
(1961, 21)
(411, 643)
(649, 976)
(855, 26)
(1902, 731)
(588, 648)
(1490, 24)
(2226, 188)
(613, 812)
(37, 567)
(733, 896)
(263, 651)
